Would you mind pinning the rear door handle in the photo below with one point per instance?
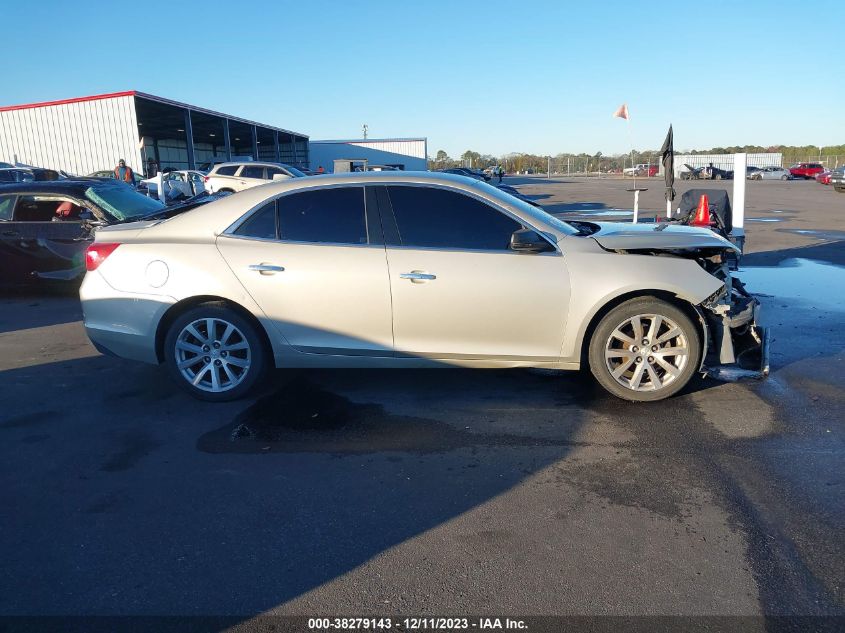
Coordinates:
(267, 269)
(11, 233)
(417, 276)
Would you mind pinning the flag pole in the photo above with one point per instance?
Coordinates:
(622, 112)
(631, 145)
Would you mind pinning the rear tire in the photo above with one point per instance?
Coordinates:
(215, 354)
(644, 350)
(784, 178)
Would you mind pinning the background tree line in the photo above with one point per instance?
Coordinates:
(831, 155)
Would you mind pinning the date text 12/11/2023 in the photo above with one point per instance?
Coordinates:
(415, 624)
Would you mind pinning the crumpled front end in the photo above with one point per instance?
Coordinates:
(736, 337)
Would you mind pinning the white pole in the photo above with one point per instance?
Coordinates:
(738, 220)
(636, 204)
(668, 208)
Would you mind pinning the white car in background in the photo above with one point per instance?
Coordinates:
(186, 182)
(233, 177)
(771, 173)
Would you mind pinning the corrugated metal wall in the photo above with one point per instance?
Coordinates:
(80, 137)
(407, 147)
(408, 152)
(725, 161)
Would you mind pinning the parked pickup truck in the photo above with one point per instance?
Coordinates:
(643, 169)
(806, 170)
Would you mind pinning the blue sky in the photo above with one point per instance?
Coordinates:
(494, 77)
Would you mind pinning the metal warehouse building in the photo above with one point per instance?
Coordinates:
(89, 134)
(405, 153)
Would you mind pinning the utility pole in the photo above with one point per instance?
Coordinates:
(365, 129)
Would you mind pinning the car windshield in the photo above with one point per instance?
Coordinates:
(121, 201)
(529, 210)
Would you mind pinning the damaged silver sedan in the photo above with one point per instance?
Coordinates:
(402, 270)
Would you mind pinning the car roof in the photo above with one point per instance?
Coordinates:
(69, 186)
(250, 163)
(219, 215)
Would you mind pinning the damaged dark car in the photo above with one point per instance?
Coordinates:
(45, 226)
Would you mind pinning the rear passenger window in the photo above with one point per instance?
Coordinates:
(261, 224)
(430, 217)
(252, 172)
(324, 215)
(228, 170)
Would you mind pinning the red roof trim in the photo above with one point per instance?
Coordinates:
(110, 95)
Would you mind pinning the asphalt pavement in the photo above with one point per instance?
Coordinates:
(443, 491)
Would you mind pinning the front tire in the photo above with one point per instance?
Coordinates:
(215, 354)
(784, 177)
(644, 350)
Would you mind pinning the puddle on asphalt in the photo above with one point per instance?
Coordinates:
(608, 212)
(732, 373)
(819, 284)
(821, 235)
(301, 417)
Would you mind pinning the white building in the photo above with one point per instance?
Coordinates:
(724, 161)
(90, 134)
(408, 154)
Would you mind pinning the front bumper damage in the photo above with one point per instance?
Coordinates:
(737, 341)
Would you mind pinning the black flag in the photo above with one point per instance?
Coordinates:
(667, 153)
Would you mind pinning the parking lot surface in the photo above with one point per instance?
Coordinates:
(443, 491)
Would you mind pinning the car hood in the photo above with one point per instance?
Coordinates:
(631, 237)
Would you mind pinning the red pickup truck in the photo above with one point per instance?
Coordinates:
(806, 170)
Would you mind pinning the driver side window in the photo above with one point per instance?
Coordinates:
(7, 205)
(429, 217)
(46, 209)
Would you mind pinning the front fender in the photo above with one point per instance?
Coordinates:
(599, 279)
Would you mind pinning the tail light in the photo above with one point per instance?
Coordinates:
(205, 178)
(96, 254)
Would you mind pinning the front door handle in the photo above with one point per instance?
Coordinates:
(267, 269)
(417, 276)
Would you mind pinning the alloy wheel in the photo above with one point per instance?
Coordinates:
(212, 355)
(646, 352)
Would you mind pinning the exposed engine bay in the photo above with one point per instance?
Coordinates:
(729, 316)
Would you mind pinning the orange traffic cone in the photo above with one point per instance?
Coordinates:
(702, 214)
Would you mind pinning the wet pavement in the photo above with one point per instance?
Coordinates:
(414, 492)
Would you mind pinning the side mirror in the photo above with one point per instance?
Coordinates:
(529, 241)
(280, 176)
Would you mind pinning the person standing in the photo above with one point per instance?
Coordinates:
(320, 170)
(501, 173)
(152, 167)
(124, 172)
